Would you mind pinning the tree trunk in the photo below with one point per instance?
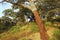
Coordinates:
(43, 32)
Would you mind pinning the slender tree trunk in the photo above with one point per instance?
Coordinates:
(43, 32)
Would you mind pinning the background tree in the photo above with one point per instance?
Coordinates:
(30, 4)
(44, 8)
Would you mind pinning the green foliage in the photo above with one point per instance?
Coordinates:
(56, 35)
(5, 24)
(47, 8)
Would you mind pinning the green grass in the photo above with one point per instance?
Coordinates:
(34, 27)
(56, 35)
(18, 29)
(31, 27)
(14, 29)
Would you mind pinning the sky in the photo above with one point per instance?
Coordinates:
(4, 6)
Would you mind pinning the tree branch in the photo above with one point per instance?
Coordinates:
(31, 5)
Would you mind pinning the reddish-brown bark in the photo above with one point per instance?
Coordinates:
(43, 32)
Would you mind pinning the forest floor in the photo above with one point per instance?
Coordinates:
(27, 32)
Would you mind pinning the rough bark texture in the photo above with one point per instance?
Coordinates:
(43, 32)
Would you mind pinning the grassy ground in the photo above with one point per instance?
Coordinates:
(27, 32)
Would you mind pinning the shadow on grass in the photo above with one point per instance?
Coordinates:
(4, 28)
